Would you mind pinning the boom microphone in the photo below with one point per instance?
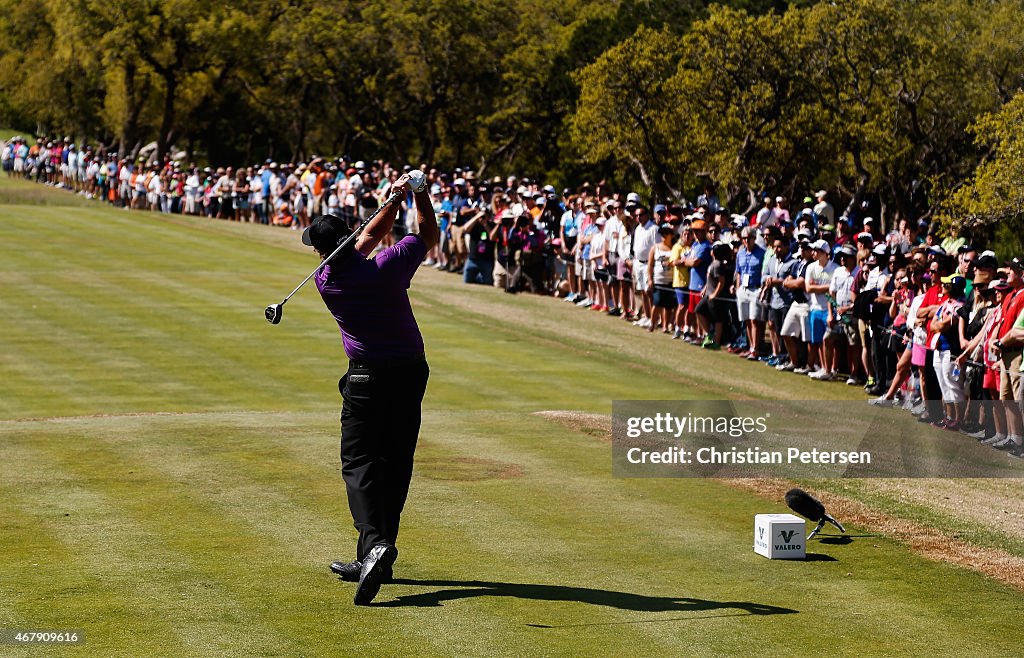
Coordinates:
(810, 507)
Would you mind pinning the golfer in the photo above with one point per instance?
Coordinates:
(387, 374)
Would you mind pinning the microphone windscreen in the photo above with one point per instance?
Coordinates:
(805, 504)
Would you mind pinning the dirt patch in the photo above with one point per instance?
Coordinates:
(930, 543)
(597, 425)
(467, 469)
(994, 504)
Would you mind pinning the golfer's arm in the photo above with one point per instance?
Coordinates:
(376, 230)
(429, 232)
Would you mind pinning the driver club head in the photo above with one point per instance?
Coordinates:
(273, 313)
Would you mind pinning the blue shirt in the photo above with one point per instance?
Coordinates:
(591, 230)
(749, 265)
(699, 272)
(781, 297)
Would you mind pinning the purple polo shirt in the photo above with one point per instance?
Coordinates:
(369, 299)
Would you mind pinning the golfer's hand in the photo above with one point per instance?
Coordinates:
(402, 185)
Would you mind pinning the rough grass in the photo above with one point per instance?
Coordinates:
(170, 480)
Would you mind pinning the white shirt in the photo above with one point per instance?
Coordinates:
(613, 228)
(840, 287)
(824, 212)
(818, 275)
(643, 239)
(597, 247)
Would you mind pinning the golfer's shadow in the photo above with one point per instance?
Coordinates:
(458, 589)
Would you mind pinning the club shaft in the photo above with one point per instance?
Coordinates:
(391, 199)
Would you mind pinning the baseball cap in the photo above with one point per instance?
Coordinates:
(633, 197)
(880, 250)
(821, 245)
(864, 236)
(936, 249)
(998, 284)
(1016, 263)
(952, 278)
(660, 207)
(808, 199)
(803, 234)
(698, 225)
(828, 228)
(460, 181)
(325, 233)
(847, 250)
(820, 193)
(986, 262)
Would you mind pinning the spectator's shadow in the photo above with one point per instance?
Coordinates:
(457, 589)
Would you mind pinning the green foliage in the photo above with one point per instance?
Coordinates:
(863, 97)
(994, 195)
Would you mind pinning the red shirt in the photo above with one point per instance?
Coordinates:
(1012, 306)
(932, 297)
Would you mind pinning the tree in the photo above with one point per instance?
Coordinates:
(625, 112)
(993, 196)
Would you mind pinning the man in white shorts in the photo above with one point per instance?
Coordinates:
(644, 237)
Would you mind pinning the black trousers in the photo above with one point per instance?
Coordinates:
(380, 422)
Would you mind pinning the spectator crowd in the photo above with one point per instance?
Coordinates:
(933, 326)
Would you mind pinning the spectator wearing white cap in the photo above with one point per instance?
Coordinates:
(766, 216)
(644, 237)
(817, 283)
(824, 213)
(780, 209)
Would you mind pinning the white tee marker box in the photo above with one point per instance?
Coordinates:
(780, 536)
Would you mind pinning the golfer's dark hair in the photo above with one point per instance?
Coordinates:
(327, 232)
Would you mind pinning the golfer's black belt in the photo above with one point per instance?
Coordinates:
(397, 362)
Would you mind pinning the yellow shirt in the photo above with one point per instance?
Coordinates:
(680, 273)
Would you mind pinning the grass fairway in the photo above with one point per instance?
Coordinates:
(169, 475)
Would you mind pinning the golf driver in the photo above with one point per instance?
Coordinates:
(418, 181)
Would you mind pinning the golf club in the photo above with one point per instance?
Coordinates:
(418, 181)
(808, 506)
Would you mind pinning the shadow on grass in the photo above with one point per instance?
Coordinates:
(819, 557)
(458, 589)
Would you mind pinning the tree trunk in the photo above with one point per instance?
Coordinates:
(130, 126)
(166, 136)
